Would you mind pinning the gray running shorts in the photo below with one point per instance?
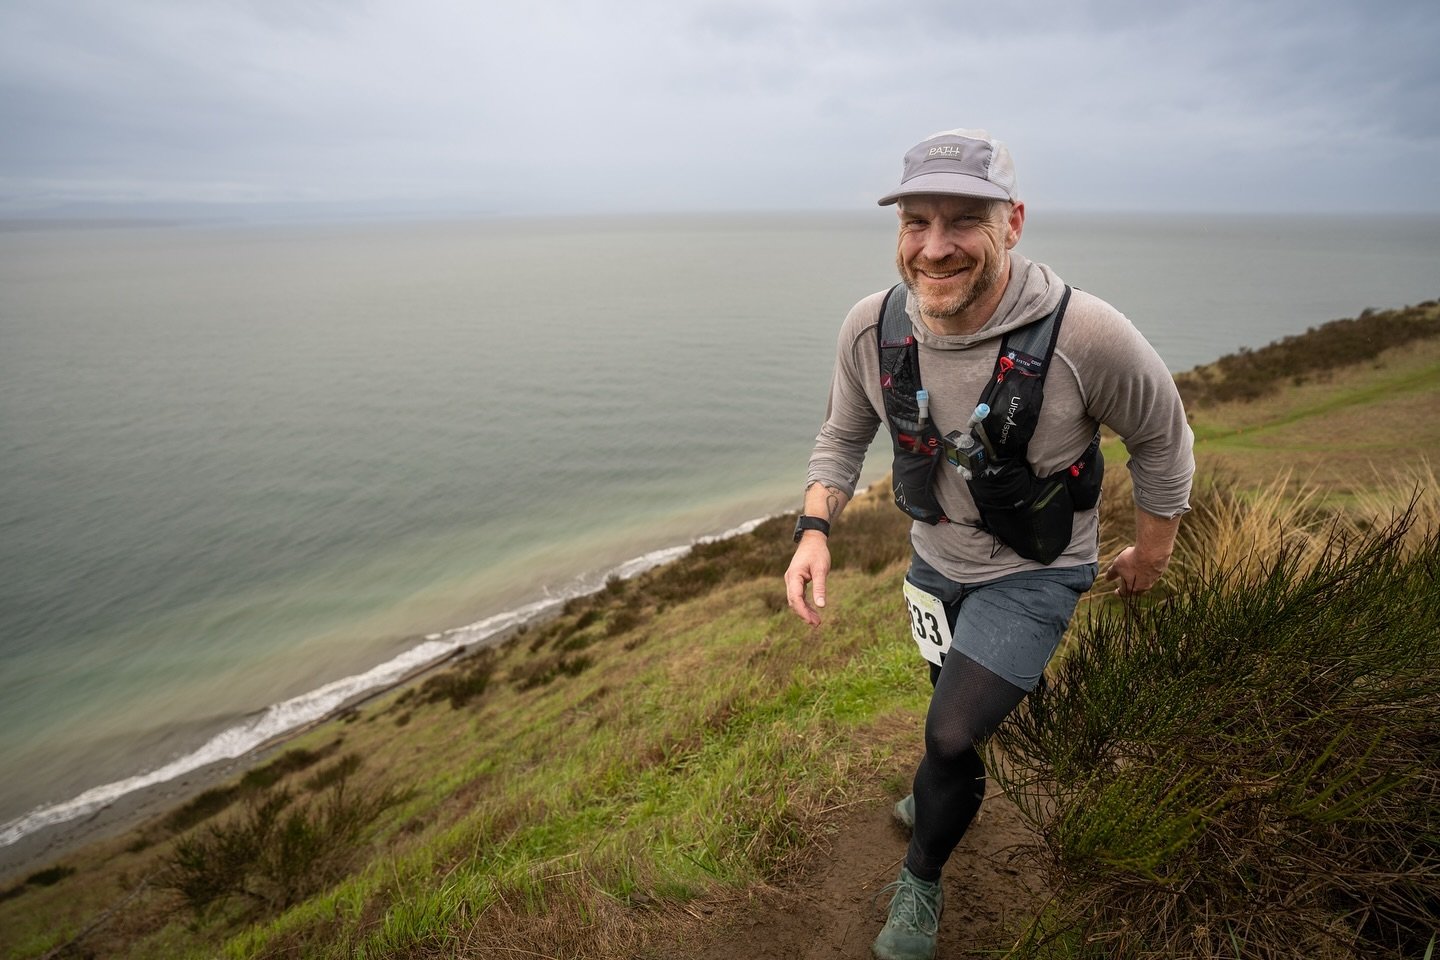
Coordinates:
(1010, 625)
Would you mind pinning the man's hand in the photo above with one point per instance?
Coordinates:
(1136, 572)
(811, 564)
(1139, 568)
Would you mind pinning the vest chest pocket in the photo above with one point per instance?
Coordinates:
(912, 477)
(1033, 517)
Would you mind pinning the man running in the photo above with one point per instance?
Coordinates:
(991, 587)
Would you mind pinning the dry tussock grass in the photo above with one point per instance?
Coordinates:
(1414, 490)
(1243, 529)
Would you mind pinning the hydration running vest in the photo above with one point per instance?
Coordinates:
(1034, 516)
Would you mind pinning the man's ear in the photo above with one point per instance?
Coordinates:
(1016, 224)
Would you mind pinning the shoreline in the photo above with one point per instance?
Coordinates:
(134, 808)
(99, 820)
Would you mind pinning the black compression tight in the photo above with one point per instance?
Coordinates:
(968, 704)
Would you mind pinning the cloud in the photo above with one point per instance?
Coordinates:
(633, 104)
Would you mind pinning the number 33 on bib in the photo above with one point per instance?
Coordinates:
(928, 623)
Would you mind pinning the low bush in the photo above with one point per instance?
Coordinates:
(215, 800)
(542, 671)
(202, 807)
(622, 621)
(462, 684)
(49, 876)
(330, 776)
(291, 761)
(40, 878)
(270, 857)
(869, 539)
(1248, 769)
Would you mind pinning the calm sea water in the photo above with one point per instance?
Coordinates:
(246, 472)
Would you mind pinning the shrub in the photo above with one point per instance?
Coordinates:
(461, 684)
(545, 670)
(870, 539)
(201, 807)
(270, 858)
(622, 621)
(763, 552)
(1248, 769)
(50, 876)
(216, 799)
(40, 878)
(549, 634)
(339, 770)
(291, 761)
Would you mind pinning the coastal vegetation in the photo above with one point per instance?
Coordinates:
(1244, 765)
(1295, 360)
(1248, 768)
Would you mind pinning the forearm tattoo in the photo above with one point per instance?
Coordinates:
(834, 500)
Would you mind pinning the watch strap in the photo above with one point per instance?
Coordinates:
(811, 523)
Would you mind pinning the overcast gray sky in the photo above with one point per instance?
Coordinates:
(634, 105)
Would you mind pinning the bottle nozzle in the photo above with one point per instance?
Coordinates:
(981, 412)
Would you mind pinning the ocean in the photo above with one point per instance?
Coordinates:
(248, 472)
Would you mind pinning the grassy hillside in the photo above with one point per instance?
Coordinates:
(1346, 405)
(667, 741)
(613, 782)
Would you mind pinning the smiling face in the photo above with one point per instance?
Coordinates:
(953, 254)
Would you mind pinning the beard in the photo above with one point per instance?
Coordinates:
(954, 303)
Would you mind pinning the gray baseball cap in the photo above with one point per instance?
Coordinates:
(962, 163)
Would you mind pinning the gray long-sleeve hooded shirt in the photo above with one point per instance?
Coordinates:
(1103, 371)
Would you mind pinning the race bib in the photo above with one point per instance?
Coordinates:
(928, 623)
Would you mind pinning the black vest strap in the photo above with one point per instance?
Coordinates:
(1017, 387)
(1038, 339)
(916, 444)
(899, 361)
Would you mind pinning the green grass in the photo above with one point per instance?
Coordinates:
(1340, 427)
(683, 779)
(1425, 380)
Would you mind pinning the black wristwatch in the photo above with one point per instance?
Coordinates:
(811, 523)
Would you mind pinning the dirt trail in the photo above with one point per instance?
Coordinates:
(827, 914)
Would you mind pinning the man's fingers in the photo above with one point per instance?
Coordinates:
(810, 565)
(795, 590)
(795, 582)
